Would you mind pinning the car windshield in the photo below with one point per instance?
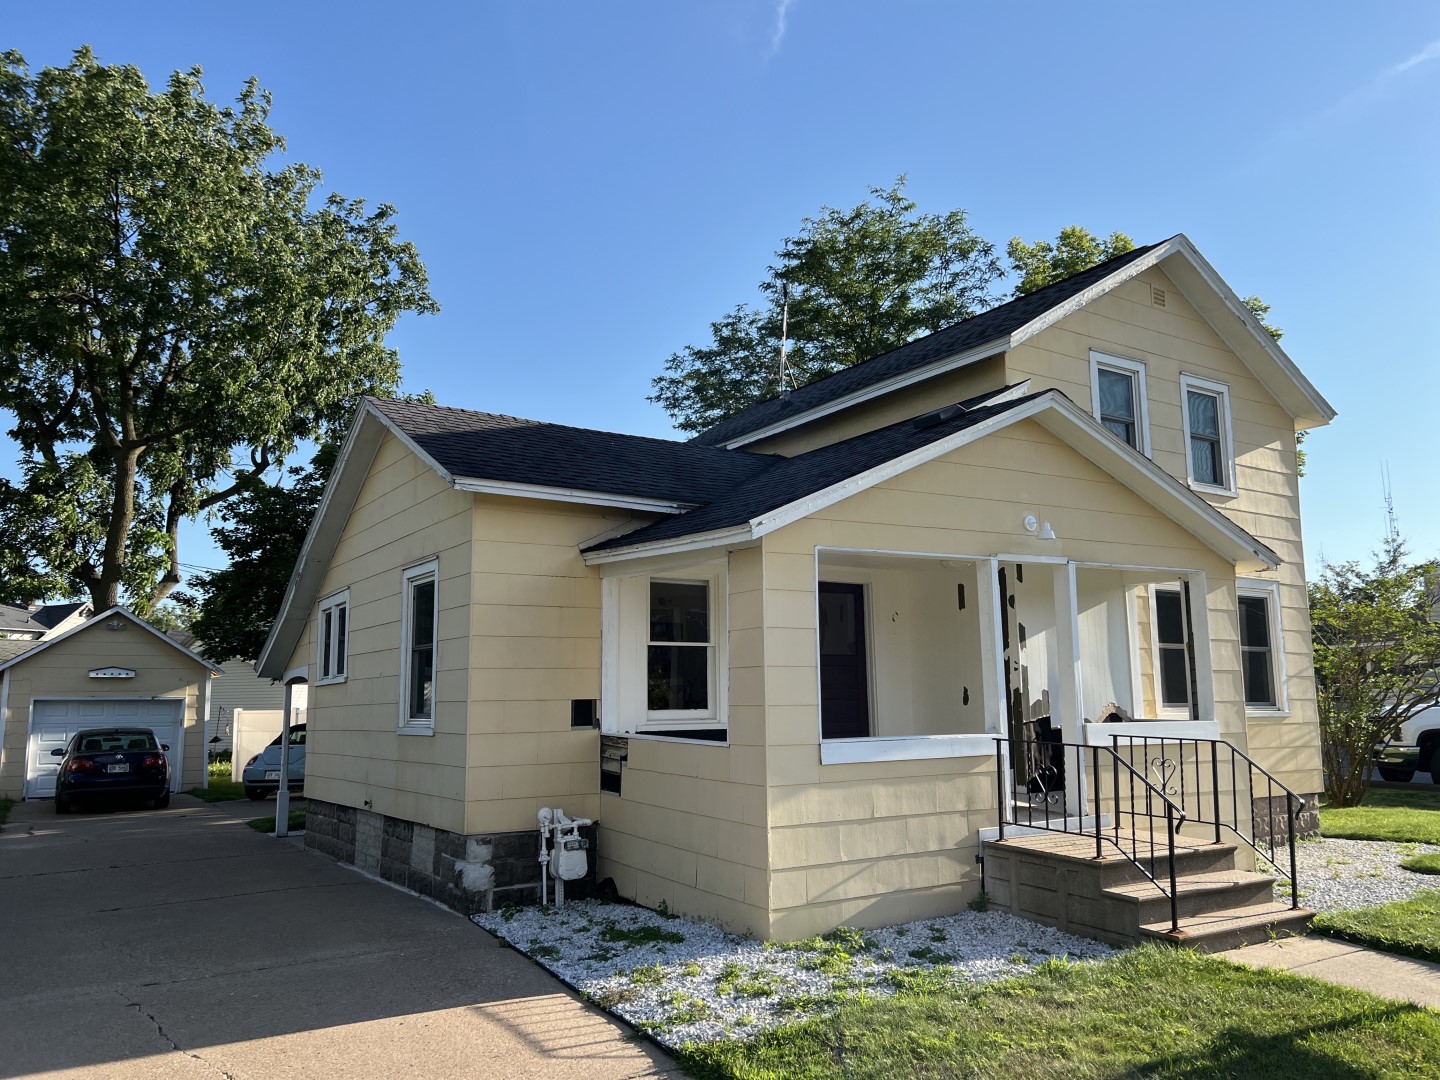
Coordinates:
(111, 741)
(297, 737)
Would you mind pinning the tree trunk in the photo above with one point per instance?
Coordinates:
(105, 592)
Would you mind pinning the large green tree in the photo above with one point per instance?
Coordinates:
(1377, 654)
(855, 283)
(179, 309)
(1076, 248)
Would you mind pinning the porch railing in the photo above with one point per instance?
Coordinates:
(1155, 786)
(1045, 769)
(1181, 766)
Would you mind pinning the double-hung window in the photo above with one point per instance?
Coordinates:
(680, 652)
(1172, 649)
(333, 637)
(419, 629)
(1261, 654)
(1117, 393)
(1209, 452)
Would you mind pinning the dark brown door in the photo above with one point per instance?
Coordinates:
(844, 678)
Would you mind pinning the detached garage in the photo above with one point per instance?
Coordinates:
(114, 670)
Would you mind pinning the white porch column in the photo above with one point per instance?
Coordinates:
(1068, 691)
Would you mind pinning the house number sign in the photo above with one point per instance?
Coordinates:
(112, 673)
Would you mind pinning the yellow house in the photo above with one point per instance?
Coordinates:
(111, 669)
(800, 667)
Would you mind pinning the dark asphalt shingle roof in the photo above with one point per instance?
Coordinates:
(487, 446)
(13, 647)
(975, 331)
(19, 618)
(52, 615)
(790, 479)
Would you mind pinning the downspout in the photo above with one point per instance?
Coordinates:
(4, 720)
(282, 792)
(205, 739)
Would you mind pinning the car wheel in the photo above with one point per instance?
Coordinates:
(254, 794)
(163, 801)
(1394, 775)
(62, 805)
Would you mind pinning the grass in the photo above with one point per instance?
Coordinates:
(267, 824)
(5, 806)
(1410, 927)
(1420, 864)
(221, 787)
(1149, 1012)
(1386, 814)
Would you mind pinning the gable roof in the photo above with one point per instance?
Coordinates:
(52, 615)
(799, 486)
(1009, 324)
(479, 451)
(19, 618)
(118, 612)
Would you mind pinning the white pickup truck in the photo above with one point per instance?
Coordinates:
(1416, 748)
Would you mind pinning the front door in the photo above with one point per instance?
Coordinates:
(844, 676)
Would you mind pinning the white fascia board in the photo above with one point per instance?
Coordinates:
(304, 587)
(1051, 316)
(868, 393)
(738, 534)
(107, 613)
(570, 495)
(1156, 487)
(1208, 292)
(819, 500)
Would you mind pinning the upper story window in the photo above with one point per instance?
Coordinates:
(1118, 397)
(1262, 657)
(419, 631)
(1209, 448)
(333, 638)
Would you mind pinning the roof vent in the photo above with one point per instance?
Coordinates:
(939, 416)
(1157, 296)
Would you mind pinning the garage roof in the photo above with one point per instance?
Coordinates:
(114, 612)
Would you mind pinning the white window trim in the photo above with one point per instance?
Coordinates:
(408, 725)
(624, 658)
(1227, 435)
(331, 603)
(1163, 711)
(659, 720)
(1136, 369)
(1270, 590)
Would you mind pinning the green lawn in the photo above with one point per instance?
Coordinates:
(267, 824)
(221, 788)
(1386, 814)
(1422, 864)
(1410, 927)
(1153, 1012)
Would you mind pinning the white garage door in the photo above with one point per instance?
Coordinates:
(53, 722)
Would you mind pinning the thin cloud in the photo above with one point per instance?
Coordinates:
(782, 14)
(1381, 82)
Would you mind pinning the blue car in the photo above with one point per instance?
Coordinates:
(261, 776)
(112, 763)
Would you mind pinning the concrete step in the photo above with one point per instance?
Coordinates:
(1114, 864)
(1219, 931)
(1214, 892)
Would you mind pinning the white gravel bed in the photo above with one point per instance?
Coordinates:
(1358, 873)
(683, 981)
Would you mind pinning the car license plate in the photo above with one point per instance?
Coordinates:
(123, 766)
(272, 774)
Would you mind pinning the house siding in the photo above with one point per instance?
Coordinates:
(404, 514)
(878, 843)
(62, 671)
(1176, 339)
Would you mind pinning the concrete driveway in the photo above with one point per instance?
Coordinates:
(181, 943)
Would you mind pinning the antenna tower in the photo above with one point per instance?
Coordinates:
(1392, 527)
(786, 380)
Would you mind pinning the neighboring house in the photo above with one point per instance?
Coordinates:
(35, 622)
(805, 633)
(111, 669)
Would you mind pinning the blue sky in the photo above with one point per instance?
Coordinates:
(591, 184)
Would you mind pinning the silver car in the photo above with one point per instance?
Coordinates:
(262, 772)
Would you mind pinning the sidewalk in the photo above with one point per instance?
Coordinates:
(1399, 978)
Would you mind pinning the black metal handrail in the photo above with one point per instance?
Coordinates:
(1045, 768)
(1173, 768)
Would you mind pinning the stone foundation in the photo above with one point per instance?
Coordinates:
(469, 874)
(1307, 824)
